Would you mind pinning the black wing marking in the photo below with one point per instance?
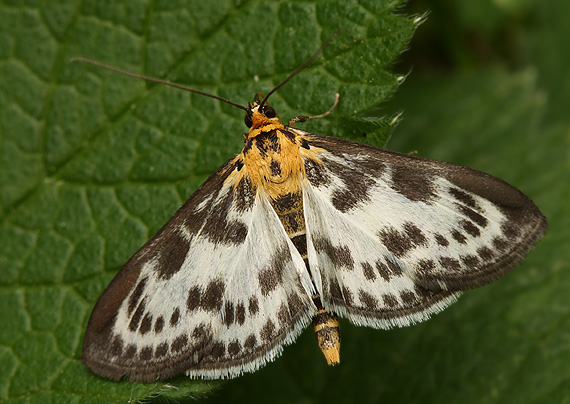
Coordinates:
(394, 238)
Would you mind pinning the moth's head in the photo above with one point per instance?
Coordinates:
(260, 113)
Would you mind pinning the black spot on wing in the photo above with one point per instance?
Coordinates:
(228, 313)
(369, 301)
(356, 179)
(161, 350)
(408, 297)
(234, 348)
(240, 313)
(130, 351)
(470, 261)
(367, 271)
(283, 316)
(383, 270)
(218, 228)
(501, 244)
(253, 305)
(485, 253)
(390, 300)
(212, 297)
(348, 297)
(458, 236)
(244, 195)
(426, 265)
(179, 343)
(145, 354)
(317, 174)
(470, 228)
(136, 295)
(441, 240)
(159, 324)
(172, 253)
(416, 185)
(250, 342)
(476, 217)
(400, 243)
(193, 300)
(510, 230)
(340, 256)
(450, 263)
(271, 276)
(267, 331)
(217, 350)
(136, 317)
(463, 197)
(334, 289)
(146, 324)
(395, 268)
(174, 317)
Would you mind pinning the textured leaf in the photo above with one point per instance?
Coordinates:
(93, 163)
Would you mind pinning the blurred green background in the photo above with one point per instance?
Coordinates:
(487, 86)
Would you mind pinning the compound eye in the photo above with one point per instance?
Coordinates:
(269, 112)
(248, 121)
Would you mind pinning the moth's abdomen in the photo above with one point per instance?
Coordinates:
(289, 209)
(327, 330)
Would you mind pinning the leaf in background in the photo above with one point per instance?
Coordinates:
(93, 163)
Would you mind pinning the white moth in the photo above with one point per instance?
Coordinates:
(297, 228)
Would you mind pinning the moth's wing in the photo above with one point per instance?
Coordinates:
(216, 292)
(393, 238)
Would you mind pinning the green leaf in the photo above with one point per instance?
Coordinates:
(93, 163)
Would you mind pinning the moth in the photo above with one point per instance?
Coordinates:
(302, 228)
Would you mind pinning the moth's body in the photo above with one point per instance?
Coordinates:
(298, 228)
(273, 159)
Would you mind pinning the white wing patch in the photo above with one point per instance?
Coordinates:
(227, 307)
(392, 238)
(359, 277)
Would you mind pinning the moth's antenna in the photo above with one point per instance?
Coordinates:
(302, 67)
(154, 80)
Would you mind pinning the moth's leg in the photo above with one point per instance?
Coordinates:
(303, 118)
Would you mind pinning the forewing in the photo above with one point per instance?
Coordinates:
(393, 238)
(216, 292)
